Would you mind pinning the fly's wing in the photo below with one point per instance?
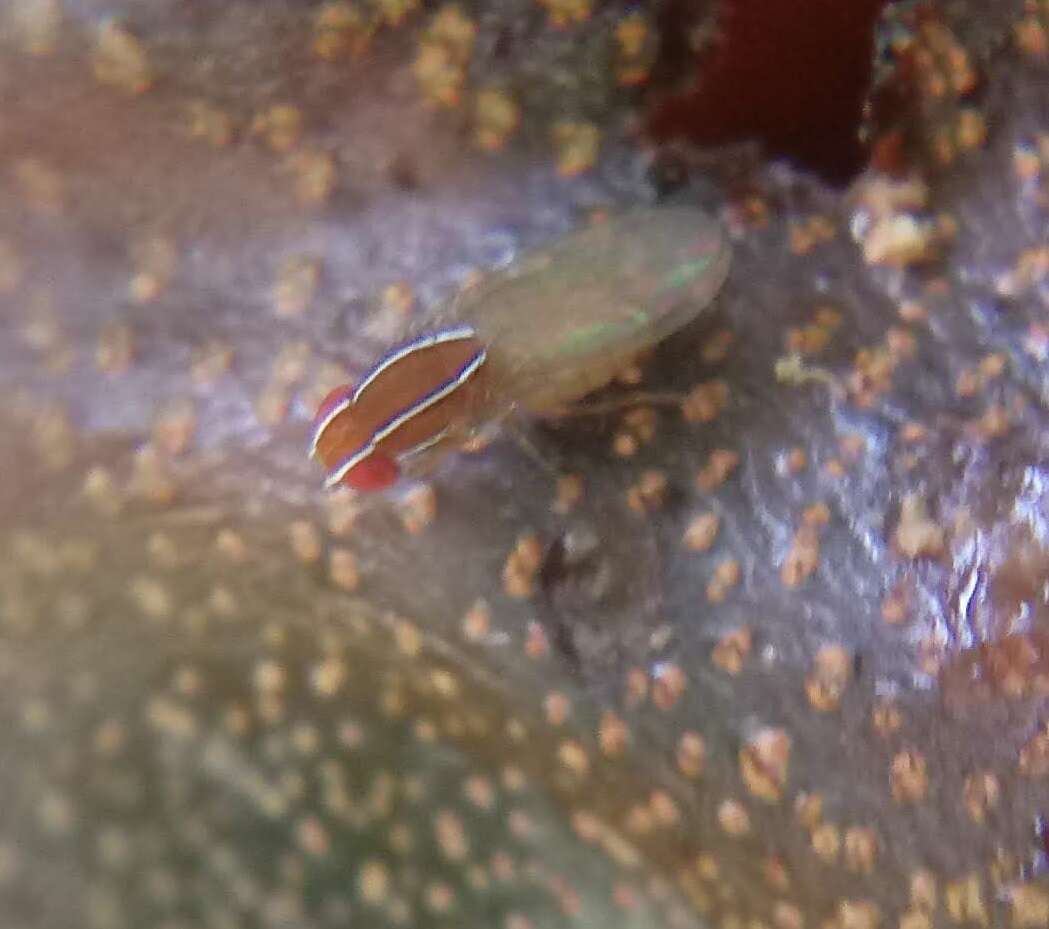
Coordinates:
(564, 319)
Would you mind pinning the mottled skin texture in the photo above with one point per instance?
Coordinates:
(784, 666)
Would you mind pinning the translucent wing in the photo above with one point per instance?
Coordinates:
(564, 319)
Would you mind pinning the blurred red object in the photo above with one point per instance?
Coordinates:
(792, 74)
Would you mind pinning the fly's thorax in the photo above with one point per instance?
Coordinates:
(417, 400)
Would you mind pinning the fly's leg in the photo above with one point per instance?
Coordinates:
(605, 406)
(524, 442)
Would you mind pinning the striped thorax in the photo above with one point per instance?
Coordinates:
(418, 395)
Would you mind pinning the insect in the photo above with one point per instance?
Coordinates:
(552, 327)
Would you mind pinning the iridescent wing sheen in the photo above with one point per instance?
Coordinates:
(564, 319)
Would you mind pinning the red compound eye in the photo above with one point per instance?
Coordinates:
(331, 400)
(376, 472)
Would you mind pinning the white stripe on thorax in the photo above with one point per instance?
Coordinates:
(326, 422)
(395, 355)
(387, 429)
(426, 341)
